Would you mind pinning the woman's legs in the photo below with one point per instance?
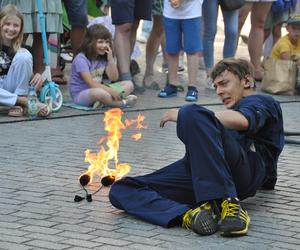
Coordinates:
(152, 46)
(209, 17)
(231, 30)
(256, 36)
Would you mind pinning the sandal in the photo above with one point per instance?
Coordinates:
(191, 95)
(168, 91)
(16, 111)
(43, 110)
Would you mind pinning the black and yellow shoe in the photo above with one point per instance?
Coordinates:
(234, 219)
(201, 220)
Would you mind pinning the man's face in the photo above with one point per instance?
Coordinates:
(229, 88)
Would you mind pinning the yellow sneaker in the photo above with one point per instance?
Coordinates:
(201, 220)
(235, 220)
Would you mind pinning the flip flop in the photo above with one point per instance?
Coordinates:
(16, 111)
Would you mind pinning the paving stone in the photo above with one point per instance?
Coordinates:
(41, 160)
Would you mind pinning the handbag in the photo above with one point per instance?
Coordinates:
(229, 5)
(279, 76)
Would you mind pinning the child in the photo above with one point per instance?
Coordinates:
(16, 65)
(95, 58)
(182, 22)
(288, 46)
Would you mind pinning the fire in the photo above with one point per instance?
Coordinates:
(100, 161)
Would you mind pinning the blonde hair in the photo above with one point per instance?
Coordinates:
(12, 11)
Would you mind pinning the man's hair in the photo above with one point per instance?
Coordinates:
(239, 67)
(95, 32)
(12, 11)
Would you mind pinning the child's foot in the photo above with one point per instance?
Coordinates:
(43, 110)
(16, 111)
(129, 101)
(191, 95)
(169, 91)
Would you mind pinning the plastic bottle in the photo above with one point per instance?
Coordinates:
(32, 102)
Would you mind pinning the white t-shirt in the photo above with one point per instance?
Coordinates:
(188, 9)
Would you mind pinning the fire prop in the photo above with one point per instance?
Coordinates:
(99, 162)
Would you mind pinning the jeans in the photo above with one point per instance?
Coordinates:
(209, 16)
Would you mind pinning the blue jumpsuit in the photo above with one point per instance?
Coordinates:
(218, 163)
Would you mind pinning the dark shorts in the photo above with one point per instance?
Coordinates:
(77, 12)
(127, 11)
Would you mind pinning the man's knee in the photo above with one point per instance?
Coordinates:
(192, 111)
(124, 28)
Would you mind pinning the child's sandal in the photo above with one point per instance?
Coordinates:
(16, 111)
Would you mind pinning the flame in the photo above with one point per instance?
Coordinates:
(100, 161)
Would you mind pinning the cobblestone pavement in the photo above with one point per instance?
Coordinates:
(40, 162)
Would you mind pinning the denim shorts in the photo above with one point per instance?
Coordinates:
(183, 34)
(77, 12)
(127, 11)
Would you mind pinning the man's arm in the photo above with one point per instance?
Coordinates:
(229, 118)
(232, 119)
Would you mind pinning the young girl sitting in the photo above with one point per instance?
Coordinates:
(88, 67)
(16, 65)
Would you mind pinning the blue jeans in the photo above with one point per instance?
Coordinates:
(209, 18)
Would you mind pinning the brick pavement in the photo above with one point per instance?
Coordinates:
(40, 162)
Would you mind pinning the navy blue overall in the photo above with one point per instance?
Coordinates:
(218, 163)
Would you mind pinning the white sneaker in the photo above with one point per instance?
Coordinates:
(129, 101)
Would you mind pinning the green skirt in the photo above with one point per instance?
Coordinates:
(52, 11)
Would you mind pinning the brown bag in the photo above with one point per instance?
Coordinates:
(279, 76)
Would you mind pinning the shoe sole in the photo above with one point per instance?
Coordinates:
(167, 96)
(189, 99)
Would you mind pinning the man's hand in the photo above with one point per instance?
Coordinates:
(175, 3)
(170, 115)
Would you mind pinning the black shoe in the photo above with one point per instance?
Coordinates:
(201, 220)
(234, 219)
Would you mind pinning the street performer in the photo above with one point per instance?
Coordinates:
(229, 155)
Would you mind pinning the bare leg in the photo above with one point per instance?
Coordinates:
(172, 67)
(243, 14)
(192, 65)
(256, 36)
(152, 46)
(123, 47)
(37, 51)
(77, 35)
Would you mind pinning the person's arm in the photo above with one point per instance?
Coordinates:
(111, 68)
(285, 56)
(232, 119)
(229, 118)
